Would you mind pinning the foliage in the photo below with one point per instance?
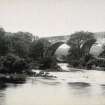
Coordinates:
(48, 63)
(20, 50)
(38, 48)
(3, 42)
(12, 64)
(80, 44)
(20, 43)
(79, 38)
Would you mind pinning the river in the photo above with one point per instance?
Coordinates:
(77, 87)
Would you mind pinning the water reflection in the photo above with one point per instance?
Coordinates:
(4, 91)
(3, 86)
(79, 88)
(2, 98)
(103, 89)
(79, 84)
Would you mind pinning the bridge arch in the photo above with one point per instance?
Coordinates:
(52, 49)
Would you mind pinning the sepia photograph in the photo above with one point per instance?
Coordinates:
(52, 52)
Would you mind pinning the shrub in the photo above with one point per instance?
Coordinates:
(48, 63)
(12, 64)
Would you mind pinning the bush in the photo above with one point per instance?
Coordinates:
(12, 64)
(48, 63)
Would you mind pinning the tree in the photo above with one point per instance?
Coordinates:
(19, 43)
(102, 54)
(38, 48)
(80, 44)
(48, 62)
(12, 64)
(3, 42)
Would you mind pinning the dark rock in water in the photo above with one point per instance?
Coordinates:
(79, 84)
(44, 74)
(103, 85)
(16, 79)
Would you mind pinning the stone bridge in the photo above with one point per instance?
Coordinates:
(56, 42)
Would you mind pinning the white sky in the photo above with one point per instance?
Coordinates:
(52, 17)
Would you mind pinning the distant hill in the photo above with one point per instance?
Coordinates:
(64, 38)
(54, 39)
(99, 35)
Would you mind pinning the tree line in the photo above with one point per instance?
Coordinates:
(22, 51)
(79, 54)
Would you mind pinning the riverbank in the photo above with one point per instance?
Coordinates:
(67, 68)
(79, 69)
(12, 78)
(21, 77)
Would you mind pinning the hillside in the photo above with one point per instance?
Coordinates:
(64, 38)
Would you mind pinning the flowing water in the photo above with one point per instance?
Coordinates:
(77, 87)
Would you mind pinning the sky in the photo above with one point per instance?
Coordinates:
(52, 17)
